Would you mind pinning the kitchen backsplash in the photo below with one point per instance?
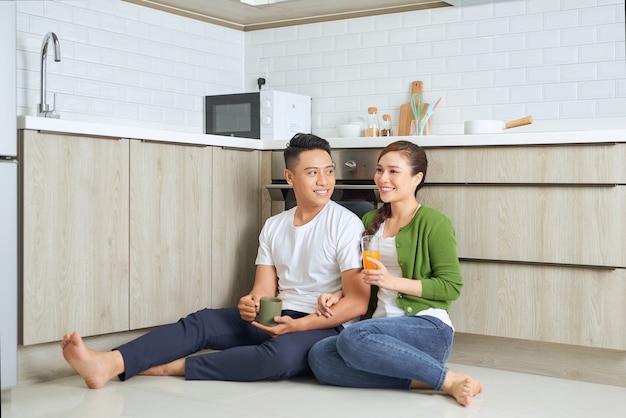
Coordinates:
(126, 62)
(561, 61)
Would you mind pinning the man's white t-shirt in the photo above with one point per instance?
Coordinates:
(309, 258)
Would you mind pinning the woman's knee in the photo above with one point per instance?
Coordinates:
(352, 337)
(322, 357)
(321, 350)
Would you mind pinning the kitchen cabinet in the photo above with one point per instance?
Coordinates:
(122, 234)
(237, 222)
(194, 229)
(74, 235)
(170, 231)
(574, 306)
(564, 224)
(540, 237)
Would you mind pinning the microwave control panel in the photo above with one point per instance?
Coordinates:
(284, 114)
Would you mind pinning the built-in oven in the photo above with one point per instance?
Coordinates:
(354, 188)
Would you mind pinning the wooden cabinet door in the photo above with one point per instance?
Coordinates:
(237, 221)
(170, 231)
(601, 163)
(578, 225)
(74, 235)
(565, 305)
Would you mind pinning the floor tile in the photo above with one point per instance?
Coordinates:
(506, 394)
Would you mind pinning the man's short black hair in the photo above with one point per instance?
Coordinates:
(303, 142)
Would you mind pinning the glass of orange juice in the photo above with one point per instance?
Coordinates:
(371, 248)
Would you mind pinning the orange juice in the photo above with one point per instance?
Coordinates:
(368, 264)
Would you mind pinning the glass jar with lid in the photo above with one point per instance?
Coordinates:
(372, 127)
(386, 129)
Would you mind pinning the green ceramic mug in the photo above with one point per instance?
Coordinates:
(270, 307)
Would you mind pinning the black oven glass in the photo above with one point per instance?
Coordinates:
(358, 201)
(233, 115)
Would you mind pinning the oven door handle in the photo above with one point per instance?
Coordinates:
(275, 190)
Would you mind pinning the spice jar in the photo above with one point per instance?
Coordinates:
(386, 129)
(373, 127)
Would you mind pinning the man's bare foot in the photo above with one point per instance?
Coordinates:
(462, 387)
(95, 367)
(175, 368)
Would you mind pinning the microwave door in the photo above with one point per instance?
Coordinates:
(233, 115)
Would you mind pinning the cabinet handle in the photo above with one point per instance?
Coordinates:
(184, 144)
(238, 149)
(538, 263)
(450, 184)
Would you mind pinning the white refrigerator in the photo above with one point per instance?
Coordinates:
(8, 195)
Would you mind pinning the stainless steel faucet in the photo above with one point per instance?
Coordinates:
(44, 108)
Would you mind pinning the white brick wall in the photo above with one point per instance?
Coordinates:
(561, 61)
(122, 63)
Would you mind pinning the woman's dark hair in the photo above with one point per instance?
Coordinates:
(300, 143)
(416, 157)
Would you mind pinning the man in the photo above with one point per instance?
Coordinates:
(303, 252)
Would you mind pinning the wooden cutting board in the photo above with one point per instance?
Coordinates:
(406, 114)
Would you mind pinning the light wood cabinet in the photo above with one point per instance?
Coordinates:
(237, 222)
(599, 163)
(540, 237)
(74, 235)
(529, 223)
(170, 231)
(576, 306)
(122, 234)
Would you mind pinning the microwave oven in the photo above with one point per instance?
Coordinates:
(268, 114)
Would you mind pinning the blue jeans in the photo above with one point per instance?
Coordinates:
(247, 353)
(385, 353)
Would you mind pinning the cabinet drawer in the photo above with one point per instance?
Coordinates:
(565, 225)
(573, 164)
(551, 304)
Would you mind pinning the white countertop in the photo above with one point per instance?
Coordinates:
(509, 138)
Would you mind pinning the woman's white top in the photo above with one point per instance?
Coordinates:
(387, 306)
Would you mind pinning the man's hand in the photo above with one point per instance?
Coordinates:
(286, 324)
(248, 307)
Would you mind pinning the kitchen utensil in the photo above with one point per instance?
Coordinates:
(493, 126)
(428, 111)
(417, 106)
(406, 116)
(415, 127)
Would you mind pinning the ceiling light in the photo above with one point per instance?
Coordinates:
(261, 2)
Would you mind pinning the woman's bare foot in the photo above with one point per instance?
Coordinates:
(416, 384)
(175, 368)
(462, 387)
(95, 367)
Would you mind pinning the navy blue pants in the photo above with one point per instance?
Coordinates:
(246, 353)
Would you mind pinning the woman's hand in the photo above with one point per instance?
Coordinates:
(324, 302)
(380, 277)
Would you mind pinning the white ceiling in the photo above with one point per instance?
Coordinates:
(234, 14)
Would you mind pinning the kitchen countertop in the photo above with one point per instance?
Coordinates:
(62, 126)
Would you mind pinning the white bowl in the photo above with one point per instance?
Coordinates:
(349, 130)
(357, 120)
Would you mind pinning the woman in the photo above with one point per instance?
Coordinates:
(409, 339)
